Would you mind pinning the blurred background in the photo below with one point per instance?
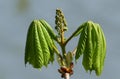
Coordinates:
(16, 16)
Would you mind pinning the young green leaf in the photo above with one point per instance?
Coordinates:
(38, 50)
(69, 58)
(93, 47)
(49, 42)
(33, 50)
(88, 54)
(82, 43)
(100, 52)
(44, 45)
(49, 29)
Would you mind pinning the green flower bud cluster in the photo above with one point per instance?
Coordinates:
(60, 21)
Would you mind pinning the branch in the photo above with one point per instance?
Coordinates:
(67, 76)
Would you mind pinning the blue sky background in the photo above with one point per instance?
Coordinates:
(14, 26)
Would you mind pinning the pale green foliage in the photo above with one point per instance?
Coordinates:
(92, 45)
(39, 43)
(40, 47)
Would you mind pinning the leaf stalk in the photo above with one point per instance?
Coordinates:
(74, 34)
